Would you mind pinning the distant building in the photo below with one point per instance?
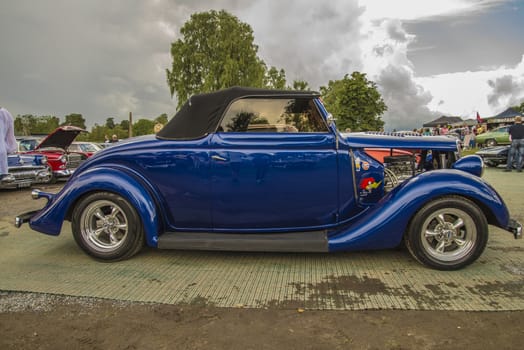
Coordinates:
(443, 121)
(503, 118)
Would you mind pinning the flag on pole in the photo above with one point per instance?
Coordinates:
(479, 119)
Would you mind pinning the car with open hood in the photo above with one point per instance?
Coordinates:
(61, 162)
(267, 170)
(25, 170)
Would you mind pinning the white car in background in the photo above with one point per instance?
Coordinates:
(85, 148)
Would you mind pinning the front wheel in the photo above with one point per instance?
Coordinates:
(107, 227)
(448, 233)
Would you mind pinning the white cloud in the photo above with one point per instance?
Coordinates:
(103, 59)
(420, 10)
(414, 100)
(489, 92)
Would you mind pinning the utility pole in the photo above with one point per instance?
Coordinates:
(130, 124)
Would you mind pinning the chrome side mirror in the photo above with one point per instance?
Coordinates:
(330, 120)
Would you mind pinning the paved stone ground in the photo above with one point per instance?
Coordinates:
(34, 262)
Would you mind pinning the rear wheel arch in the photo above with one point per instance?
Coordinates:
(144, 202)
(107, 226)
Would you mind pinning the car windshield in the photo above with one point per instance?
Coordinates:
(88, 147)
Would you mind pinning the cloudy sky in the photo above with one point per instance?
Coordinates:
(104, 58)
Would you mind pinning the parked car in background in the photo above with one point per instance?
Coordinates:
(85, 148)
(494, 156)
(25, 170)
(54, 146)
(28, 143)
(498, 136)
(207, 181)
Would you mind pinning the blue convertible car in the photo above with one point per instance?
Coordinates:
(266, 170)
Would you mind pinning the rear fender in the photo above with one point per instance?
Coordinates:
(116, 180)
(383, 225)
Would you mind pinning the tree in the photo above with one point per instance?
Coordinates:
(23, 124)
(162, 119)
(519, 108)
(110, 122)
(29, 124)
(216, 51)
(143, 127)
(124, 125)
(275, 79)
(75, 119)
(354, 102)
(300, 85)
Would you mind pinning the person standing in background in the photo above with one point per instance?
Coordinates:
(516, 136)
(7, 142)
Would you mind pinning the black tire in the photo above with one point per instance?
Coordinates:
(491, 142)
(107, 227)
(448, 233)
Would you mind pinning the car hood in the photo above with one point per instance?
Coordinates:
(401, 141)
(493, 150)
(62, 137)
(20, 160)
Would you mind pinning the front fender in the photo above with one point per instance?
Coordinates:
(121, 181)
(383, 225)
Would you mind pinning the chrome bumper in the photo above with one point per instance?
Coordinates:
(25, 217)
(515, 227)
(63, 173)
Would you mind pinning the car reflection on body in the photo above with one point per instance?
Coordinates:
(209, 181)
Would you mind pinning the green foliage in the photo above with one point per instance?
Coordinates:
(75, 119)
(275, 79)
(162, 119)
(124, 125)
(143, 127)
(520, 108)
(354, 102)
(300, 85)
(216, 51)
(28, 124)
(110, 123)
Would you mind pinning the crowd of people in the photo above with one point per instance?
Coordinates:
(465, 133)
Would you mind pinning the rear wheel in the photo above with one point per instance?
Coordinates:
(447, 233)
(107, 227)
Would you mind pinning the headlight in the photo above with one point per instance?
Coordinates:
(43, 160)
(472, 164)
(63, 159)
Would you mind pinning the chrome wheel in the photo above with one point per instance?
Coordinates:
(449, 234)
(103, 225)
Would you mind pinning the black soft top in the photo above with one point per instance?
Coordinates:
(202, 113)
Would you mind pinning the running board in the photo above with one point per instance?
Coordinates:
(311, 241)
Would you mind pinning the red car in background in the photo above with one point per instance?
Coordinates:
(85, 148)
(61, 162)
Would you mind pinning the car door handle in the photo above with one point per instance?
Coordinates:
(215, 157)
